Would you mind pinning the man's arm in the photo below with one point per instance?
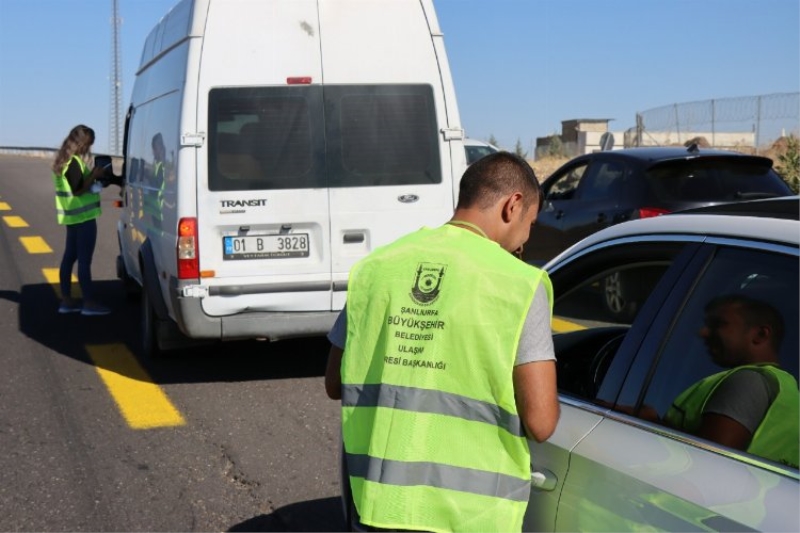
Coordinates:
(537, 398)
(333, 373)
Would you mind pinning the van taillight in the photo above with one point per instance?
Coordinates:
(188, 251)
(298, 80)
(648, 212)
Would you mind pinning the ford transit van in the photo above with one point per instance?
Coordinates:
(270, 145)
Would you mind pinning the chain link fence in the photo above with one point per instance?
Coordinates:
(752, 124)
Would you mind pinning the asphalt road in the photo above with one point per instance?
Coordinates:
(257, 445)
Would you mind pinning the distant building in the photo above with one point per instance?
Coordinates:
(578, 136)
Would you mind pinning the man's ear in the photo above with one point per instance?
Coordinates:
(763, 334)
(511, 207)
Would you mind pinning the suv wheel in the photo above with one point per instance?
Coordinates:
(620, 297)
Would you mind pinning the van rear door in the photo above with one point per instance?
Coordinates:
(263, 218)
(389, 168)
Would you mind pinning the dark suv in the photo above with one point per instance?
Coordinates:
(597, 190)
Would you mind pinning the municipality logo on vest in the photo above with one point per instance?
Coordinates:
(427, 282)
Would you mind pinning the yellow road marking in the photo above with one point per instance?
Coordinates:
(35, 245)
(143, 404)
(563, 326)
(4, 206)
(15, 222)
(52, 277)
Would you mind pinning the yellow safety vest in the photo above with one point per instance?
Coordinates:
(71, 209)
(432, 437)
(776, 438)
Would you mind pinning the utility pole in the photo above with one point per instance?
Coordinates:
(115, 101)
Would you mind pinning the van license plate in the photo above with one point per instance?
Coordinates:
(266, 246)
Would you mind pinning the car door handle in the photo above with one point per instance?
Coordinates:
(559, 214)
(543, 479)
(352, 238)
(602, 217)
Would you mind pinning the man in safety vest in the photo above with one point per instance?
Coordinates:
(443, 360)
(755, 405)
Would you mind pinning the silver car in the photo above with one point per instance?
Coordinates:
(612, 463)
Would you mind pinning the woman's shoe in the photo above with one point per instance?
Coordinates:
(71, 307)
(95, 310)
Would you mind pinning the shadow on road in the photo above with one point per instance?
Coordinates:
(315, 515)
(233, 361)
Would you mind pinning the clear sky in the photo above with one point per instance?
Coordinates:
(520, 67)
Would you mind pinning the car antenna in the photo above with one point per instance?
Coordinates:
(693, 149)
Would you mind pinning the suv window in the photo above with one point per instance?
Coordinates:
(741, 291)
(293, 137)
(564, 187)
(715, 179)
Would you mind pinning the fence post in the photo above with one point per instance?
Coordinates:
(713, 127)
(758, 122)
(677, 123)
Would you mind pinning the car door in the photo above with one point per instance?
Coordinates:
(598, 201)
(547, 237)
(634, 472)
(593, 350)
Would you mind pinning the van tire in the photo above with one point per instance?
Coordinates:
(151, 347)
(130, 286)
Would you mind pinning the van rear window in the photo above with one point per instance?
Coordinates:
(313, 136)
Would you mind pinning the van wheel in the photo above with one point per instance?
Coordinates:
(129, 285)
(149, 327)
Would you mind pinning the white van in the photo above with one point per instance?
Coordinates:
(268, 146)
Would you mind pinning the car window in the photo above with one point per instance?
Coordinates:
(476, 152)
(302, 137)
(602, 181)
(564, 187)
(744, 296)
(714, 179)
(599, 296)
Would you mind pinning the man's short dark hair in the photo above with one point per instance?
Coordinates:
(754, 312)
(496, 175)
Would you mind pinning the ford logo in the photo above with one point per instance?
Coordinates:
(408, 198)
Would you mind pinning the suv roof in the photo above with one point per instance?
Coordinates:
(787, 207)
(647, 154)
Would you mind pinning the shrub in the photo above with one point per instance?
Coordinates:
(789, 163)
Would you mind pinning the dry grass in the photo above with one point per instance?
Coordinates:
(545, 166)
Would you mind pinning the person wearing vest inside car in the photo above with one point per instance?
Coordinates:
(443, 360)
(754, 405)
(77, 209)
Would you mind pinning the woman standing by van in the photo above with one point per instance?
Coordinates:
(77, 208)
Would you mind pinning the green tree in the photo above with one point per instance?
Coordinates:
(789, 163)
(519, 150)
(493, 141)
(555, 148)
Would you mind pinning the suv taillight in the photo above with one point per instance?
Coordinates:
(647, 212)
(187, 250)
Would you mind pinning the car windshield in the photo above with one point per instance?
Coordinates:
(715, 179)
(476, 152)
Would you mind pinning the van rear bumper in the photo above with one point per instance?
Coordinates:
(196, 324)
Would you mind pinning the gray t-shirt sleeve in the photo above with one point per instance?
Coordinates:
(536, 341)
(338, 333)
(743, 396)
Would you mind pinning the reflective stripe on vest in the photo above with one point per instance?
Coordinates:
(432, 436)
(431, 401)
(72, 209)
(441, 476)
